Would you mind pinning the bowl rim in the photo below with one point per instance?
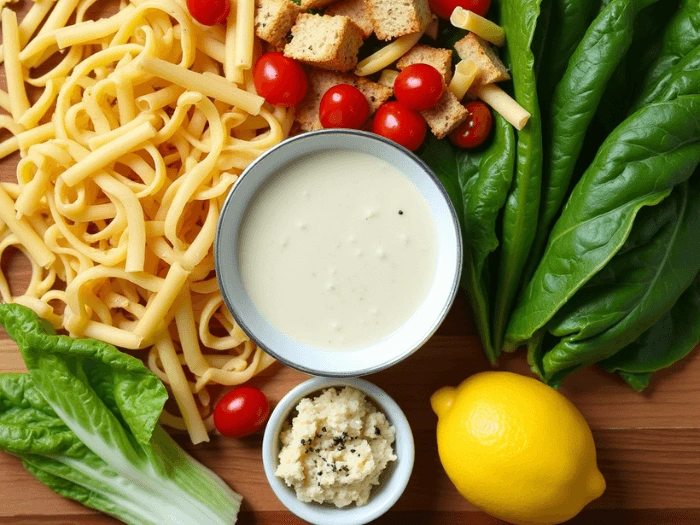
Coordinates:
(392, 487)
(439, 316)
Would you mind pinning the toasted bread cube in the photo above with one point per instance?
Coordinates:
(440, 59)
(274, 20)
(446, 115)
(326, 42)
(491, 69)
(357, 11)
(395, 18)
(322, 81)
(314, 4)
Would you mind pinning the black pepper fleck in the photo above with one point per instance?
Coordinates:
(400, 212)
(376, 431)
(324, 429)
(303, 442)
(352, 450)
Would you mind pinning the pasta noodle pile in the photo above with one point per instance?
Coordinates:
(142, 127)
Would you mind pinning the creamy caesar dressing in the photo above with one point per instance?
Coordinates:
(338, 249)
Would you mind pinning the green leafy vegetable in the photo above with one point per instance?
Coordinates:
(576, 100)
(477, 184)
(681, 36)
(619, 254)
(84, 422)
(569, 20)
(638, 165)
(671, 339)
(681, 79)
(626, 80)
(519, 20)
(638, 286)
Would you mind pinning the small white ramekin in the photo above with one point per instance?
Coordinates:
(393, 480)
(373, 357)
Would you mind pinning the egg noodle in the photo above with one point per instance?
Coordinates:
(144, 122)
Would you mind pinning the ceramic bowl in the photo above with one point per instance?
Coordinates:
(393, 348)
(393, 480)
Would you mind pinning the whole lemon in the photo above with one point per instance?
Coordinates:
(516, 448)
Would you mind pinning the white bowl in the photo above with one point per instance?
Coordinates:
(393, 480)
(393, 348)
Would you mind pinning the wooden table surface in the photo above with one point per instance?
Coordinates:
(648, 444)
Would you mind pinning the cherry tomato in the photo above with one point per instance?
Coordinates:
(444, 8)
(209, 12)
(398, 123)
(418, 87)
(280, 80)
(343, 106)
(476, 129)
(241, 412)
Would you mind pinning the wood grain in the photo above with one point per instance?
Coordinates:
(648, 444)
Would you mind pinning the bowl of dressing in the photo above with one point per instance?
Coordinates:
(338, 252)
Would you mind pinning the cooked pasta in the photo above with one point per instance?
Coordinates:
(126, 158)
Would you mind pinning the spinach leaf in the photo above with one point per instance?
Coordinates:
(519, 19)
(568, 22)
(682, 79)
(626, 80)
(638, 165)
(575, 102)
(637, 288)
(477, 184)
(681, 36)
(672, 338)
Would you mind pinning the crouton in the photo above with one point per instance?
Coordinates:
(314, 4)
(491, 69)
(446, 115)
(322, 81)
(274, 20)
(327, 42)
(357, 11)
(440, 59)
(395, 18)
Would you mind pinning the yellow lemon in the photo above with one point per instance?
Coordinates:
(516, 448)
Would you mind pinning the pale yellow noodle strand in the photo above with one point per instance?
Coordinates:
(62, 70)
(136, 250)
(38, 251)
(19, 103)
(187, 332)
(181, 391)
(37, 111)
(108, 153)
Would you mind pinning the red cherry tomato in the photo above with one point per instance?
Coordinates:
(209, 12)
(444, 8)
(280, 80)
(398, 123)
(343, 106)
(418, 87)
(241, 412)
(475, 130)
